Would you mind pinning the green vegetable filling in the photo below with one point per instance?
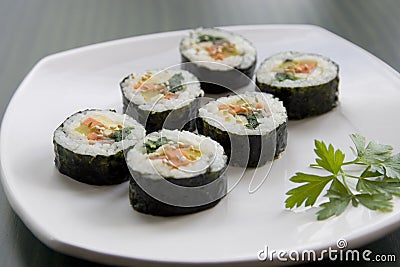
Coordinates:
(119, 135)
(281, 76)
(152, 146)
(209, 38)
(175, 83)
(252, 121)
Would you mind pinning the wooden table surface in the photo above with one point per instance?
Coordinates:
(32, 29)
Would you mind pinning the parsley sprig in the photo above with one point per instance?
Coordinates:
(376, 182)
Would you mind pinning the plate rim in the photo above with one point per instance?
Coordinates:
(374, 232)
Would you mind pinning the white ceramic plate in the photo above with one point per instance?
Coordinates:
(97, 223)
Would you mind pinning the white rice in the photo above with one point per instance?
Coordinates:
(274, 114)
(325, 71)
(78, 143)
(159, 103)
(212, 157)
(192, 50)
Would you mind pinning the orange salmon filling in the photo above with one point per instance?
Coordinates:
(243, 108)
(222, 49)
(95, 130)
(304, 66)
(177, 155)
(150, 90)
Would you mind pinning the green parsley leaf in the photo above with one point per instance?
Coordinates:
(334, 207)
(392, 166)
(308, 192)
(370, 174)
(376, 201)
(385, 187)
(152, 146)
(359, 142)
(337, 189)
(373, 153)
(339, 199)
(329, 159)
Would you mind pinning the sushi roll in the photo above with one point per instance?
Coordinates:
(175, 173)
(162, 99)
(306, 83)
(222, 60)
(252, 127)
(89, 146)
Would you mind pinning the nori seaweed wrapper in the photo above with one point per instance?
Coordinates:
(182, 118)
(249, 150)
(219, 81)
(215, 187)
(302, 102)
(95, 170)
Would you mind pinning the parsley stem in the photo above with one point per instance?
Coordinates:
(351, 176)
(343, 174)
(315, 165)
(350, 162)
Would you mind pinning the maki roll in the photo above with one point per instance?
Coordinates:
(252, 127)
(162, 99)
(220, 59)
(176, 172)
(89, 146)
(306, 83)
